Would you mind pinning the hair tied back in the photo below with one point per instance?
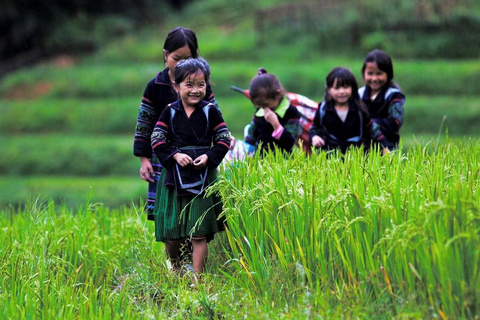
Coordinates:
(261, 71)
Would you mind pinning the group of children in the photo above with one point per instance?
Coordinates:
(181, 136)
(348, 116)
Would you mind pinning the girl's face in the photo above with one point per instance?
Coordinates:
(340, 94)
(172, 58)
(262, 101)
(192, 89)
(374, 77)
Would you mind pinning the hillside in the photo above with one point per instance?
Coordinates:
(66, 120)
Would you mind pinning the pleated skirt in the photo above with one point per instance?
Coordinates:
(183, 217)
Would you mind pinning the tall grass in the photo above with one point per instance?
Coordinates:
(399, 232)
(359, 236)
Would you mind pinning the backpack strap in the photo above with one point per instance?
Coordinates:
(321, 110)
(361, 91)
(390, 92)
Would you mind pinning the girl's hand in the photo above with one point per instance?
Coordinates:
(271, 118)
(146, 170)
(233, 141)
(182, 159)
(317, 142)
(200, 162)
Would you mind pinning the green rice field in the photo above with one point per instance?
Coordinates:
(324, 237)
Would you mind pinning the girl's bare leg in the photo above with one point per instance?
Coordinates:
(172, 249)
(200, 253)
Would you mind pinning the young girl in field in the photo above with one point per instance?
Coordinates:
(383, 98)
(275, 123)
(341, 121)
(180, 43)
(190, 139)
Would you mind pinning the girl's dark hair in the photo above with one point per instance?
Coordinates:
(190, 66)
(345, 78)
(383, 61)
(265, 84)
(178, 38)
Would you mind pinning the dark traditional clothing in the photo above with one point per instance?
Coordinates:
(158, 94)
(386, 111)
(338, 134)
(181, 208)
(261, 131)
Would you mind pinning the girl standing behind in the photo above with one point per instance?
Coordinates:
(383, 98)
(275, 123)
(341, 120)
(190, 139)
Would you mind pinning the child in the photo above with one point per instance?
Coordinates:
(190, 139)
(383, 98)
(275, 122)
(341, 121)
(181, 43)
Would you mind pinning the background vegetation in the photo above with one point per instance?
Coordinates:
(71, 197)
(67, 119)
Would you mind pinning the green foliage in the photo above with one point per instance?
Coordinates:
(67, 154)
(399, 231)
(72, 116)
(71, 191)
(326, 236)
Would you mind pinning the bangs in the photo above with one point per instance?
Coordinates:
(343, 81)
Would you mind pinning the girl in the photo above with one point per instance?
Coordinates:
(383, 98)
(275, 123)
(190, 139)
(181, 43)
(341, 120)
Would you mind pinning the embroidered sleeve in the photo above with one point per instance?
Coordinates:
(252, 136)
(160, 139)
(394, 121)
(146, 119)
(291, 131)
(221, 137)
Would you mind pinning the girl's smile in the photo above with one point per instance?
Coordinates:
(193, 89)
(374, 78)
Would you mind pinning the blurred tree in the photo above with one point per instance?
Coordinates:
(27, 26)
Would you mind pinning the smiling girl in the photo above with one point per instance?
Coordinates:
(341, 120)
(383, 98)
(190, 139)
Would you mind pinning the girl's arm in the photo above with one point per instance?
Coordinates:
(146, 119)
(251, 137)
(221, 138)
(382, 128)
(160, 139)
(317, 134)
(291, 129)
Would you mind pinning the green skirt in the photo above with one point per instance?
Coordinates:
(183, 217)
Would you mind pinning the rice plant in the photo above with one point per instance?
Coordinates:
(399, 231)
(325, 236)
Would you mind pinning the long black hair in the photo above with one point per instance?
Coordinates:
(178, 38)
